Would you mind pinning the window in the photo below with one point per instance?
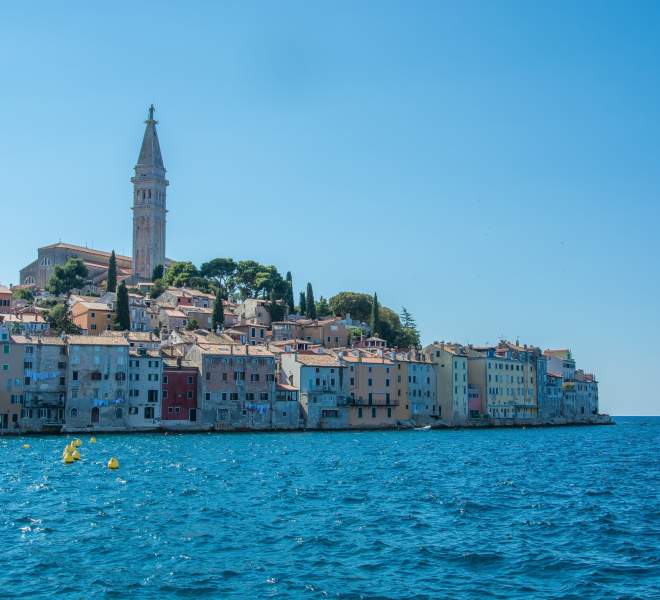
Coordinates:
(190, 379)
(189, 395)
(165, 379)
(164, 394)
(152, 396)
(132, 410)
(359, 412)
(373, 413)
(73, 412)
(148, 412)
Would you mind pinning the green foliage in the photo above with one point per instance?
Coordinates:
(158, 272)
(356, 304)
(302, 304)
(310, 305)
(60, 321)
(218, 315)
(23, 294)
(179, 274)
(354, 334)
(322, 307)
(192, 325)
(374, 321)
(123, 315)
(71, 275)
(289, 292)
(410, 337)
(111, 283)
(220, 271)
(156, 289)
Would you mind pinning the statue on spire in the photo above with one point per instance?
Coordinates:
(151, 112)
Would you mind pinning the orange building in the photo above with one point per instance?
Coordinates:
(93, 317)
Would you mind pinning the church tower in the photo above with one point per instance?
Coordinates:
(149, 185)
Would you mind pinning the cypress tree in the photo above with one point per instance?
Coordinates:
(157, 273)
(111, 285)
(375, 316)
(289, 292)
(123, 316)
(309, 303)
(302, 308)
(218, 316)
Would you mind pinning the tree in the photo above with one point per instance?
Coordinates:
(276, 308)
(302, 304)
(220, 271)
(157, 273)
(111, 284)
(289, 292)
(322, 307)
(356, 304)
(156, 289)
(374, 322)
(179, 274)
(192, 325)
(71, 275)
(310, 305)
(218, 315)
(409, 336)
(59, 320)
(23, 294)
(123, 316)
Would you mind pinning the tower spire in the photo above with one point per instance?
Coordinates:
(149, 204)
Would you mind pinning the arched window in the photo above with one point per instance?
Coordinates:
(73, 412)
(29, 280)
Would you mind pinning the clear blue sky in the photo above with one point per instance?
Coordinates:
(492, 166)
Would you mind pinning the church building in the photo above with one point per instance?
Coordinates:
(149, 214)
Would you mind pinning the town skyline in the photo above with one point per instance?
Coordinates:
(307, 155)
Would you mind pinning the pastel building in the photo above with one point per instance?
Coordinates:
(323, 387)
(5, 300)
(145, 370)
(42, 385)
(93, 317)
(237, 385)
(451, 375)
(372, 389)
(11, 372)
(505, 380)
(416, 388)
(97, 376)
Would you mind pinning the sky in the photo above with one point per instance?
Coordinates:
(494, 167)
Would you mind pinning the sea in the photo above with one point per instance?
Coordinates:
(563, 512)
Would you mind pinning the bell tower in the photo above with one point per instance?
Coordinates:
(149, 207)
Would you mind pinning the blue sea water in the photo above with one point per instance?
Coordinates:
(538, 513)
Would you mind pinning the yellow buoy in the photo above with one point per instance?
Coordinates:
(92, 440)
(25, 446)
(75, 454)
(77, 442)
(113, 463)
(67, 458)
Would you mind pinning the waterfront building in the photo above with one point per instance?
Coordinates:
(97, 376)
(11, 371)
(505, 380)
(372, 389)
(42, 384)
(145, 370)
(179, 393)
(286, 411)
(451, 372)
(552, 407)
(323, 387)
(416, 388)
(237, 385)
(580, 389)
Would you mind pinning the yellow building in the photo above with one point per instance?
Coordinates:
(415, 388)
(451, 370)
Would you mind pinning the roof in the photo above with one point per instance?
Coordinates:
(96, 340)
(85, 249)
(150, 155)
(173, 312)
(235, 350)
(94, 305)
(46, 340)
(4, 290)
(312, 359)
(23, 318)
(173, 363)
(348, 357)
(138, 353)
(286, 386)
